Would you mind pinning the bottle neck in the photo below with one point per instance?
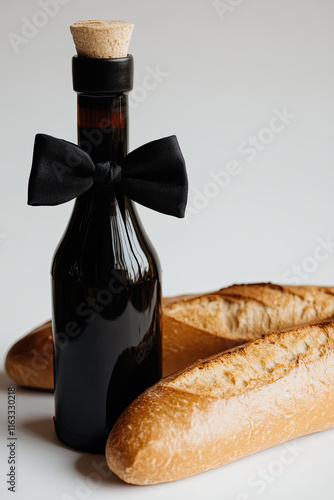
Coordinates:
(103, 126)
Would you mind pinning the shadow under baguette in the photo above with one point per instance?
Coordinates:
(94, 469)
(5, 382)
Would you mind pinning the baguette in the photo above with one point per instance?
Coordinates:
(229, 406)
(194, 326)
(29, 362)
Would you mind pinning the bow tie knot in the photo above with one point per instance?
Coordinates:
(108, 172)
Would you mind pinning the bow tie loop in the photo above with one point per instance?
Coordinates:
(108, 172)
(153, 175)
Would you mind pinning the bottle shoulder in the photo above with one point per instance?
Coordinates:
(104, 236)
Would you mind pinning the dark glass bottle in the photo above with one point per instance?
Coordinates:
(105, 278)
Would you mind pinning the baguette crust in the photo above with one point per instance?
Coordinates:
(29, 362)
(243, 312)
(229, 406)
(183, 344)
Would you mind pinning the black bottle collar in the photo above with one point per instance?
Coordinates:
(102, 76)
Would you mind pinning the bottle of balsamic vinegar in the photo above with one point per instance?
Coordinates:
(105, 273)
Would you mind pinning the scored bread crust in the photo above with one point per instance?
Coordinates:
(244, 312)
(229, 406)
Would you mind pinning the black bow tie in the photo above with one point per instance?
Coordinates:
(153, 175)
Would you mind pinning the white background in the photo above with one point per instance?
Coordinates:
(225, 71)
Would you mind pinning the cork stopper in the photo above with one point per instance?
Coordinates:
(102, 39)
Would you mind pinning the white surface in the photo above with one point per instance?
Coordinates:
(223, 79)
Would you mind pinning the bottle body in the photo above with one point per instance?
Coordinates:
(106, 295)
